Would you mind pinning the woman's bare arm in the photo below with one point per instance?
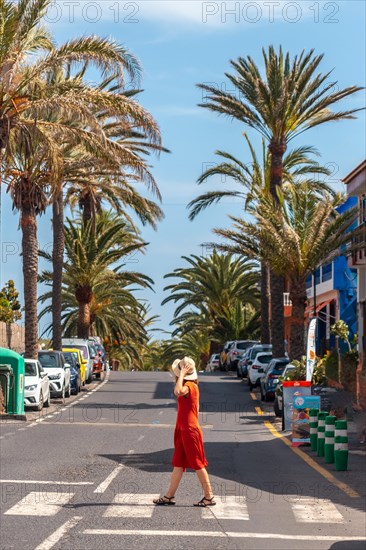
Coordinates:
(179, 388)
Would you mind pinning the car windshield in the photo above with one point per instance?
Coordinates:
(83, 349)
(279, 368)
(243, 345)
(257, 349)
(69, 357)
(264, 358)
(47, 360)
(92, 351)
(30, 369)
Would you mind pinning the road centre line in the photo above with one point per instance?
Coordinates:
(43, 482)
(259, 410)
(313, 464)
(57, 535)
(102, 487)
(226, 534)
(121, 424)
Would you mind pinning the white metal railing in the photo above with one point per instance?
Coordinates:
(286, 299)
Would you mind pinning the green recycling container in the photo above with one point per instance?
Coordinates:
(12, 361)
(313, 425)
(341, 445)
(329, 439)
(321, 432)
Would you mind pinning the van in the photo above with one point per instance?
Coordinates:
(87, 351)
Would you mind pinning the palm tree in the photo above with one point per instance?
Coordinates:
(290, 99)
(294, 236)
(93, 175)
(209, 288)
(254, 179)
(28, 94)
(95, 289)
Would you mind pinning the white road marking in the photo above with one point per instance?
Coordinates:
(129, 505)
(176, 533)
(43, 482)
(310, 510)
(230, 508)
(37, 503)
(161, 412)
(140, 437)
(53, 539)
(108, 480)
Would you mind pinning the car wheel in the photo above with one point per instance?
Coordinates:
(47, 403)
(68, 391)
(97, 375)
(262, 396)
(90, 378)
(63, 393)
(40, 405)
(250, 384)
(277, 410)
(238, 373)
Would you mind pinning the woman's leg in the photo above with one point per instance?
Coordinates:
(175, 478)
(205, 482)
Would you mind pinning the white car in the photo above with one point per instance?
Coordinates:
(58, 372)
(213, 363)
(259, 362)
(36, 385)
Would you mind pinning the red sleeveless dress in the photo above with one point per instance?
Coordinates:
(188, 441)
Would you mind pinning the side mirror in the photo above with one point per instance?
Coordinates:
(250, 362)
(67, 366)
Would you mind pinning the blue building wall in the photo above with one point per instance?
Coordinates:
(345, 282)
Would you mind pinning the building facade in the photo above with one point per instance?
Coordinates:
(356, 187)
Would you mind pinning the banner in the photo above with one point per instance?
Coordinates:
(300, 418)
(310, 349)
(291, 390)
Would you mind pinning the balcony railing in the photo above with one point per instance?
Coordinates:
(357, 245)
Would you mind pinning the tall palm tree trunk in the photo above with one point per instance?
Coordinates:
(297, 334)
(265, 325)
(87, 208)
(277, 282)
(84, 320)
(57, 261)
(9, 334)
(30, 273)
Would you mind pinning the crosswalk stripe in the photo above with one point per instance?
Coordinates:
(231, 507)
(40, 503)
(129, 505)
(310, 510)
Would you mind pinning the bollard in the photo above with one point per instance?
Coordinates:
(313, 425)
(329, 439)
(321, 432)
(341, 445)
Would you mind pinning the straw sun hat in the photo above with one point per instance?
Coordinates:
(179, 363)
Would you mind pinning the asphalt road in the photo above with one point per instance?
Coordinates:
(84, 476)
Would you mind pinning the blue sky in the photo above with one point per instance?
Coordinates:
(180, 44)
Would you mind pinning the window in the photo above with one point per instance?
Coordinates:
(309, 281)
(30, 369)
(327, 270)
(317, 276)
(362, 217)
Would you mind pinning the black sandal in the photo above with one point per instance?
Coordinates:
(202, 503)
(161, 502)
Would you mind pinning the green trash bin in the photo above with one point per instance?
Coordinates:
(9, 359)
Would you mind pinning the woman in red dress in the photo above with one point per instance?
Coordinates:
(188, 441)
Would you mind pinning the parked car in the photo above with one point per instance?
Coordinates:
(236, 351)
(256, 368)
(58, 372)
(36, 385)
(86, 349)
(213, 363)
(223, 354)
(75, 377)
(249, 356)
(271, 376)
(81, 362)
(278, 400)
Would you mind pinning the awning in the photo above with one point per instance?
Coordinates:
(310, 309)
